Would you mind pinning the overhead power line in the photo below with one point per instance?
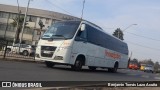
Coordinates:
(143, 36)
(59, 7)
(144, 46)
(112, 28)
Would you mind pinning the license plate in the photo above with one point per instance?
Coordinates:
(47, 52)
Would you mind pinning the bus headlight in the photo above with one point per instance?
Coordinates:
(62, 48)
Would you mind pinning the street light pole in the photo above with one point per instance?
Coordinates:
(118, 33)
(82, 10)
(24, 22)
(128, 27)
(125, 29)
(15, 36)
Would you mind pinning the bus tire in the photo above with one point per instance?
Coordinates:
(113, 70)
(25, 53)
(92, 68)
(77, 65)
(49, 64)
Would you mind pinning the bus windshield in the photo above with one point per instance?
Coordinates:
(61, 30)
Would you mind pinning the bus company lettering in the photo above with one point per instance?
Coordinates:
(49, 43)
(112, 55)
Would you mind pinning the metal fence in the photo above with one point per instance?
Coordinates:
(16, 51)
(3, 44)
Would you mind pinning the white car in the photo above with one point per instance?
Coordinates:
(149, 68)
(22, 49)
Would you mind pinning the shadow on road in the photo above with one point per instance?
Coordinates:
(83, 70)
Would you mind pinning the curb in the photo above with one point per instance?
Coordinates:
(20, 60)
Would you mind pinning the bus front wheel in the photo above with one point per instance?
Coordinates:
(78, 65)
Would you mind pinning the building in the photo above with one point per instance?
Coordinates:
(32, 34)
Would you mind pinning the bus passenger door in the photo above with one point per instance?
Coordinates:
(80, 43)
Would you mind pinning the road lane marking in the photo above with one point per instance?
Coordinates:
(145, 76)
(132, 74)
(157, 78)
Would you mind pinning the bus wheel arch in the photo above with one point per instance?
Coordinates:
(116, 65)
(79, 62)
(114, 69)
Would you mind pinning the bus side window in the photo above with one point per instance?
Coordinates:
(82, 35)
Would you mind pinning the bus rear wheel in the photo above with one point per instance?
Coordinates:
(49, 64)
(113, 70)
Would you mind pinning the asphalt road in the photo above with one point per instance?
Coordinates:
(29, 71)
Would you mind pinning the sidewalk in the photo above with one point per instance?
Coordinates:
(21, 59)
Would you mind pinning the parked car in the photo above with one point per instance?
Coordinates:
(133, 65)
(142, 67)
(23, 49)
(149, 68)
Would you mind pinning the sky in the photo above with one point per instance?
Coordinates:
(143, 39)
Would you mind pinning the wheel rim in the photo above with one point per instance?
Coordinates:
(25, 53)
(78, 64)
(8, 50)
(115, 68)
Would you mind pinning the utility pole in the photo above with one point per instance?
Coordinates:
(82, 10)
(24, 22)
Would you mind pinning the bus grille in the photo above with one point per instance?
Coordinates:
(47, 51)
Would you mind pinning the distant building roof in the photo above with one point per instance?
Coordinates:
(36, 12)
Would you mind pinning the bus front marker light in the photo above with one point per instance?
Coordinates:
(58, 58)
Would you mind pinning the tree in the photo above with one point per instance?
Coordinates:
(41, 26)
(18, 21)
(118, 33)
(135, 61)
(156, 66)
(148, 62)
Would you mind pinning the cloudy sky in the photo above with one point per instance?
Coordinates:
(143, 39)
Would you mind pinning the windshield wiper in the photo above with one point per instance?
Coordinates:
(53, 37)
(59, 36)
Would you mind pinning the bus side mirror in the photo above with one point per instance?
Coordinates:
(83, 26)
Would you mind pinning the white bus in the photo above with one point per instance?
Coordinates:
(81, 43)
